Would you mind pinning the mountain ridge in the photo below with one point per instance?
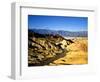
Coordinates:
(61, 32)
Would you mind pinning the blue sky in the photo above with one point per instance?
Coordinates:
(66, 23)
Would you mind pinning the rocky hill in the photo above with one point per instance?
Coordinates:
(43, 49)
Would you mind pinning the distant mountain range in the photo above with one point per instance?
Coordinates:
(61, 32)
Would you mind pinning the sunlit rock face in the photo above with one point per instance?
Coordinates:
(43, 49)
(49, 49)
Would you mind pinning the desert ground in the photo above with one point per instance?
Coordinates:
(77, 53)
(56, 50)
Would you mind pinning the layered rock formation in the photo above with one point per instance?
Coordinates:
(43, 49)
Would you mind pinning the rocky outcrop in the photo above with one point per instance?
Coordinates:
(43, 49)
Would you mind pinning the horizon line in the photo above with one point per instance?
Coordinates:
(58, 30)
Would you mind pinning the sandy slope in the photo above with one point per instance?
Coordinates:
(77, 53)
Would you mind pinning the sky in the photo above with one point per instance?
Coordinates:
(66, 23)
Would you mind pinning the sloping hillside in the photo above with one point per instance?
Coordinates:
(77, 53)
(43, 49)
